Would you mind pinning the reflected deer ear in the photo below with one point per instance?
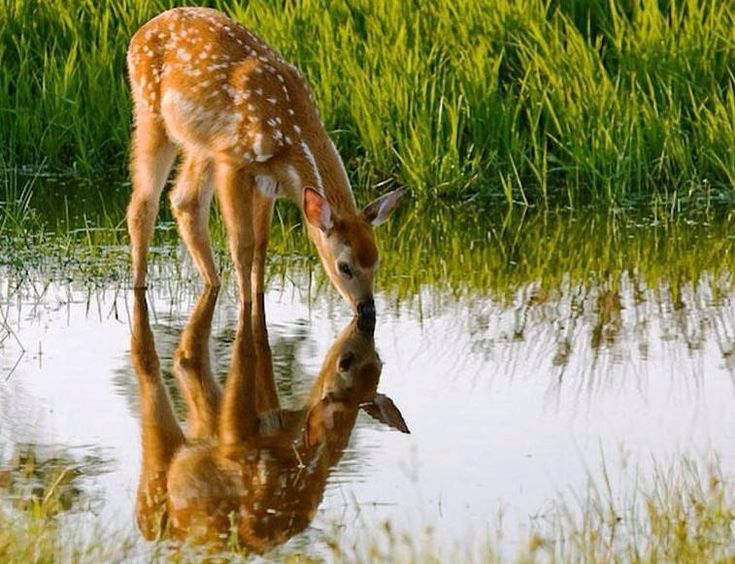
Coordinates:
(384, 410)
(317, 210)
(314, 426)
(378, 211)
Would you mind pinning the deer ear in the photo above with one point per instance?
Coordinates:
(317, 210)
(384, 410)
(378, 211)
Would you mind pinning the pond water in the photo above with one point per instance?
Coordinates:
(590, 348)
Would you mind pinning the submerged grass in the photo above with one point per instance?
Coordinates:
(539, 101)
(466, 251)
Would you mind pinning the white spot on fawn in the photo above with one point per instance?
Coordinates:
(342, 168)
(260, 154)
(294, 178)
(310, 157)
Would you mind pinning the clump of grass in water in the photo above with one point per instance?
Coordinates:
(18, 218)
(554, 102)
(684, 513)
(35, 492)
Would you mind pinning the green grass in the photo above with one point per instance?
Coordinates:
(555, 102)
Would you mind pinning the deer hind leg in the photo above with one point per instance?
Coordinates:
(262, 217)
(191, 199)
(153, 156)
(235, 195)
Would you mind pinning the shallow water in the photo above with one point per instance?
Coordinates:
(512, 395)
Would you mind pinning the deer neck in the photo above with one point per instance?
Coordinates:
(317, 163)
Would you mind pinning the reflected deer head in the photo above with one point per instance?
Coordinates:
(245, 466)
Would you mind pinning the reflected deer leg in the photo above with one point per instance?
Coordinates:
(238, 415)
(161, 434)
(266, 393)
(193, 369)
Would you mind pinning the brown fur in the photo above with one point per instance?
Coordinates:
(357, 233)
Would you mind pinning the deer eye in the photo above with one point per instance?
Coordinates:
(345, 269)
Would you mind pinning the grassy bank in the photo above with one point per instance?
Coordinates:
(556, 101)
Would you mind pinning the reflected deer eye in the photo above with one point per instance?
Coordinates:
(345, 269)
(345, 361)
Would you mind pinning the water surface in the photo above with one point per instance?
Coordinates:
(523, 355)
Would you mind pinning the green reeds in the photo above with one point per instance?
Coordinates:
(553, 102)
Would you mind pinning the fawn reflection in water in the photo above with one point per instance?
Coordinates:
(245, 466)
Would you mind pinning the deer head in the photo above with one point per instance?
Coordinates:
(346, 244)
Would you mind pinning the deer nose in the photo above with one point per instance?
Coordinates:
(366, 308)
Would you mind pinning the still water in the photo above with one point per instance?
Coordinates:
(513, 394)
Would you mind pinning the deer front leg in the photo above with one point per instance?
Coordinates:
(262, 217)
(235, 194)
